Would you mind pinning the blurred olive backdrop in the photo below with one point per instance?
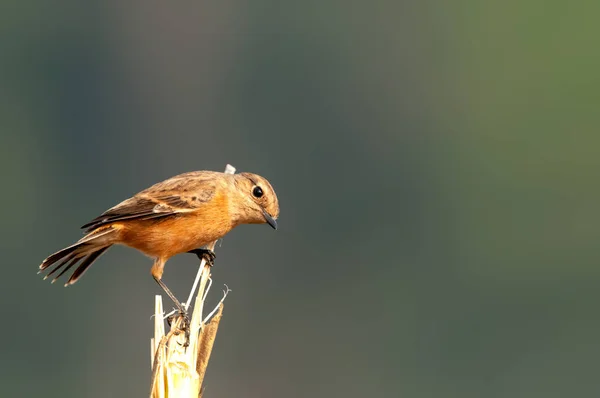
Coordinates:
(437, 169)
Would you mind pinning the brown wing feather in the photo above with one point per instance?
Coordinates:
(179, 194)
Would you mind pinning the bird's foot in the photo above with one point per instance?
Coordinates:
(184, 325)
(179, 313)
(206, 254)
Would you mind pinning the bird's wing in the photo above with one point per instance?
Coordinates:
(180, 194)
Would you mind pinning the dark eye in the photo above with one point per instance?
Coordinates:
(257, 191)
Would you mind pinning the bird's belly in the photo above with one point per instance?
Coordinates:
(166, 238)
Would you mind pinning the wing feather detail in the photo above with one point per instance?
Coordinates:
(180, 194)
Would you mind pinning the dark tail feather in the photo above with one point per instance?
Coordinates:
(66, 253)
(88, 248)
(89, 260)
(60, 265)
(72, 262)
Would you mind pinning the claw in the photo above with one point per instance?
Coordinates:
(206, 254)
(185, 326)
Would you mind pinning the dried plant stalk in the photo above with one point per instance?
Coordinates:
(177, 370)
(205, 344)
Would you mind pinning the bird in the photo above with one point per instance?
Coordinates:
(178, 215)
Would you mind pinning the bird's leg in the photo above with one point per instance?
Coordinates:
(185, 326)
(179, 306)
(206, 254)
(157, 271)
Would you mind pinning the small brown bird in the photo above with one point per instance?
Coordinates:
(178, 215)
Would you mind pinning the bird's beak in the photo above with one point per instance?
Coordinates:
(270, 219)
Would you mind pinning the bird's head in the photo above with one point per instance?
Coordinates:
(258, 202)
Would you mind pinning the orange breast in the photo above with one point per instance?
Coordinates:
(178, 233)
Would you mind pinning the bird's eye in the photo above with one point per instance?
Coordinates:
(257, 192)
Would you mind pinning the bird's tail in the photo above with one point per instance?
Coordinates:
(88, 249)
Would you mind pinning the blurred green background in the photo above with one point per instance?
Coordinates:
(437, 169)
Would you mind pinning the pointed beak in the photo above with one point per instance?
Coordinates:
(270, 219)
